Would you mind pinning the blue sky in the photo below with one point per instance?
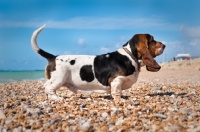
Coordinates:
(94, 27)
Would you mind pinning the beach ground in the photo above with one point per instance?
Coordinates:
(168, 100)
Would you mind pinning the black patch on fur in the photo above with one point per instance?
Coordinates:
(148, 37)
(61, 59)
(110, 67)
(72, 62)
(86, 73)
(46, 55)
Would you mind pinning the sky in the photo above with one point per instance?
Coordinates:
(94, 27)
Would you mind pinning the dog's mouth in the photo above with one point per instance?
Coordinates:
(153, 69)
(160, 50)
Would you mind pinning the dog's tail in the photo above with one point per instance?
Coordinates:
(35, 47)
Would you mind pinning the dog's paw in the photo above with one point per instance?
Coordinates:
(55, 98)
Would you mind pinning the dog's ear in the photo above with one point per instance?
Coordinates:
(148, 60)
(144, 53)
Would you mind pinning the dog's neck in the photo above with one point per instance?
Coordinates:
(127, 49)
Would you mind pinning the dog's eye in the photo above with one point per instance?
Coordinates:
(152, 42)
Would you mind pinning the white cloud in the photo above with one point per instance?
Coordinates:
(81, 41)
(173, 43)
(122, 38)
(195, 42)
(191, 35)
(190, 32)
(96, 23)
(108, 23)
(67, 53)
(20, 24)
(104, 50)
(118, 45)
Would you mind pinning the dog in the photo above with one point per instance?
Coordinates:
(110, 73)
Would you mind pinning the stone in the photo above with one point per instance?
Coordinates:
(160, 116)
(119, 122)
(85, 126)
(104, 114)
(157, 88)
(2, 115)
(136, 103)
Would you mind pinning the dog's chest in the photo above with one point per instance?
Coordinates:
(129, 80)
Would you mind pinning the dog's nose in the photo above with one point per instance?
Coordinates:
(164, 46)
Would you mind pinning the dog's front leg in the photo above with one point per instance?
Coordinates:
(116, 89)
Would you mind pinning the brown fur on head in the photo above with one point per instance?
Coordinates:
(148, 49)
(155, 47)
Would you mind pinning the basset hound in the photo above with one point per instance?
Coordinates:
(110, 73)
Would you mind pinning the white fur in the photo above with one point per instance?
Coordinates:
(160, 51)
(34, 38)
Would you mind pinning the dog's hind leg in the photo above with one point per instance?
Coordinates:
(57, 80)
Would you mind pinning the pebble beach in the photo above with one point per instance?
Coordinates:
(164, 101)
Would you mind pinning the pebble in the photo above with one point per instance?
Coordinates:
(104, 114)
(157, 88)
(134, 99)
(136, 103)
(93, 112)
(85, 126)
(111, 127)
(119, 122)
(171, 109)
(193, 92)
(49, 110)
(189, 104)
(160, 116)
(2, 115)
(130, 106)
(6, 105)
(114, 109)
(8, 121)
(172, 96)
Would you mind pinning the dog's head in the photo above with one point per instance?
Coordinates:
(144, 47)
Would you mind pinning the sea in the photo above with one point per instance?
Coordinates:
(21, 75)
